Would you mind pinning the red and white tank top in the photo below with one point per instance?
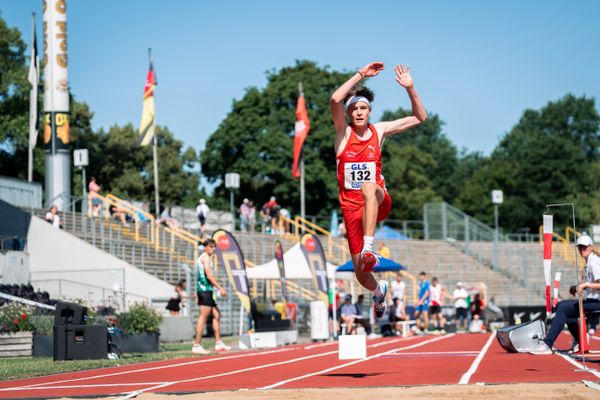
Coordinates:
(359, 162)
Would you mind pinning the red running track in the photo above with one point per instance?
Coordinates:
(419, 360)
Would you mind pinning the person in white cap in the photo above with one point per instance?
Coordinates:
(364, 199)
(202, 211)
(567, 311)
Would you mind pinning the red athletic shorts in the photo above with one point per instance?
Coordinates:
(354, 223)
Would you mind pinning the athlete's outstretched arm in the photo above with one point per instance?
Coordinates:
(337, 98)
(405, 80)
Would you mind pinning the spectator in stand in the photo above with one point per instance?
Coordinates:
(252, 216)
(342, 229)
(269, 213)
(348, 314)
(460, 295)
(398, 291)
(397, 315)
(244, 215)
(93, 192)
(202, 210)
(119, 214)
(175, 303)
(362, 320)
(384, 251)
(166, 219)
(285, 225)
(477, 308)
(423, 302)
(436, 299)
(53, 218)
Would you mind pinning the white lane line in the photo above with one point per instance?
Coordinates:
(437, 353)
(280, 383)
(94, 385)
(579, 365)
(258, 367)
(465, 378)
(134, 371)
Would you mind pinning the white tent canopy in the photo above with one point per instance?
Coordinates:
(296, 267)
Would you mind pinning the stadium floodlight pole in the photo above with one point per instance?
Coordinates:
(302, 204)
(578, 278)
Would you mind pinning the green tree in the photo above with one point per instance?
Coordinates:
(548, 157)
(429, 138)
(14, 103)
(126, 170)
(256, 139)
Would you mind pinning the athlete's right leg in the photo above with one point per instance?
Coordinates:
(202, 317)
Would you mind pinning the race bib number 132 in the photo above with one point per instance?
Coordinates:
(355, 174)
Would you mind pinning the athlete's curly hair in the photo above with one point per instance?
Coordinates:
(360, 91)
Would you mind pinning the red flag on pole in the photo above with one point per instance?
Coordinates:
(300, 132)
(146, 132)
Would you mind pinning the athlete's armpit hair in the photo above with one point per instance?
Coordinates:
(360, 91)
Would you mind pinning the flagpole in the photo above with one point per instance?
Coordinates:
(155, 157)
(32, 103)
(302, 204)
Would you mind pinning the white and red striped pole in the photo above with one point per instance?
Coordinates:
(556, 287)
(548, 222)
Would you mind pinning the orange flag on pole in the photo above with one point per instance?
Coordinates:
(300, 132)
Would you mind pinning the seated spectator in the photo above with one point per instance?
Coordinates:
(166, 219)
(53, 218)
(342, 229)
(349, 314)
(397, 315)
(364, 322)
(119, 214)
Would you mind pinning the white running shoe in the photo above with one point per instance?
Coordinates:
(220, 346)
(541, 349)
(198, 349)
(379, 303)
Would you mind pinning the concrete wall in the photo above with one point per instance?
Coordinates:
(68, 267)
(14, 267)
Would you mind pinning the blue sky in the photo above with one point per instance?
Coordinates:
(477, 64)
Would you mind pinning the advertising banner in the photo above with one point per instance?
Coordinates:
(230, 256)
(313, 251)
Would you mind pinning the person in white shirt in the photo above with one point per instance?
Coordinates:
(567, 311)
(460, 295)
(398, 290)
(202, 211)
(436, 299)
(53, 218)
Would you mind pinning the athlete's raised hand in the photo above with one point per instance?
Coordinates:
(371, 69)
(403, 76)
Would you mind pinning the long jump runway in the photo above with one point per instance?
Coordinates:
(418, 360)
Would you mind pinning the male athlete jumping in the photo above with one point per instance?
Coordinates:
(363, 197)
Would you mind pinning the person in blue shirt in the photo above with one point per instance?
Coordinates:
(423, 302)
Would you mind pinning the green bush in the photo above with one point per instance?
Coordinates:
(15, 317)
(140, 318)
(43, 324)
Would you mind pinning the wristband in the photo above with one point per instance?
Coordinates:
(362, 76)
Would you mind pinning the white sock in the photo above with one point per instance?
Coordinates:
(368, 243)
(377, 292)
